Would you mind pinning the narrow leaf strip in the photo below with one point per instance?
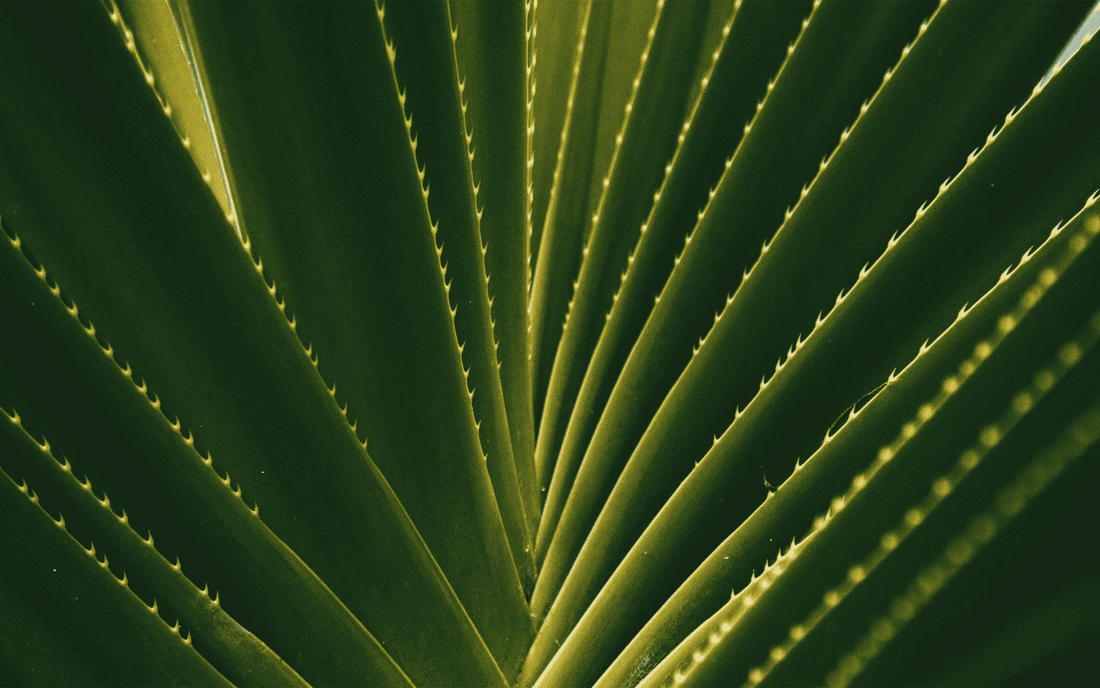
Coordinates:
(562, 235)
(552, 59)
(628, 39)
(494, 59)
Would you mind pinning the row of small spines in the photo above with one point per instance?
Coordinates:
(821, 319)
(125, 370)
(719, 627)
(1009, 502)
(1047, 277)
(982, 528)
(475, 188)
(1012, 499)
(392, 53)
(105, 503)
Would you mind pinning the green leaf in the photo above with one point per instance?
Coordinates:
(190, 308)
(371, 293)
(434, 101)
(420, 181)
(117, 434)
(494, 57)
(829, 237)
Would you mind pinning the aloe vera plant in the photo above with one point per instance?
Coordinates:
(428, 343)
